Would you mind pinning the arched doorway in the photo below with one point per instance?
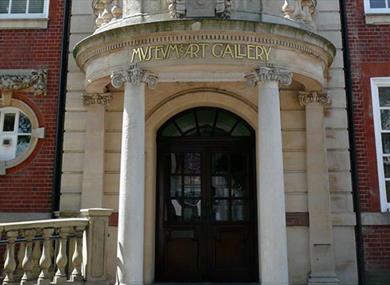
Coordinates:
(206, 200)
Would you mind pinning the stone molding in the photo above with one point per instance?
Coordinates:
(306, 98)
(300, 11)
(177, 8)
(97, 98)
(134, 75)
(14, 80)
(264, 73)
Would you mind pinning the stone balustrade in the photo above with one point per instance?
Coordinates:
(106, 11)
(301, 11)
(53, 251)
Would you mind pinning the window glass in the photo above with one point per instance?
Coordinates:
(22, 8)
(4, 7)
(15, 133)
(378, 4)
(18, 6)
(36, 6)
(24, 124)
(9, 122)
(22, 145)
(384, 96)
(205, 122)
(381, 105)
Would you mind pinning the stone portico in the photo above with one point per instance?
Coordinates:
(275, 75)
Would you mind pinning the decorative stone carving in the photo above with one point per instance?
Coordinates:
(24, 79)
(200, 8)
(134, 75)
(97, 98)
(321, 98)
(300, 11)
(263, 73)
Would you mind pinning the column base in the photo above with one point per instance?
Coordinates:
(323, 281)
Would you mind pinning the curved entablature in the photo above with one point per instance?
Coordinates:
(204, 50)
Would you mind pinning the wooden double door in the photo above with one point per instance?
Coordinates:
(206, 218)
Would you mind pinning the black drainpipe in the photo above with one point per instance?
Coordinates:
(61, 108)
(352, 143)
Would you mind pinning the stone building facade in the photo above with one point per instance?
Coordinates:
(142, 68)
(218, 133)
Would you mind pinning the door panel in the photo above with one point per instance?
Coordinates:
(207, 214)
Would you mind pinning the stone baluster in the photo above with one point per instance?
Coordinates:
(116, 10)
(106, 15)
(45, 261)
(301, 11)
(288, 9)
(27, 263)
(19, 269)
(98, 8)
(77, 255)
(36, 255)
(10, 263)
(62, 259)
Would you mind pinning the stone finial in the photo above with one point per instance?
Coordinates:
(306, 98)
(12, 80)
(97, 98)
(263, 73)
(134, 75)
(300, 11)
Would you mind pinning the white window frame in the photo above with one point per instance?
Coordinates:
(44, 15)
(376, 83)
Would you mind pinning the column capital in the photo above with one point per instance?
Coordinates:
(97, 98)
(265, 73)
(306, 98)
(134, 75)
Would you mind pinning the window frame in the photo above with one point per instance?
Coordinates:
(28, 16)
(376, 83)
(369, 10)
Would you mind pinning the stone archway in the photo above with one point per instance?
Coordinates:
(173, 105)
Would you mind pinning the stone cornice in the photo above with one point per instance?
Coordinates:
(12, 80)
(306, 98)
(97, 98)
(134, 75)
(265, 73)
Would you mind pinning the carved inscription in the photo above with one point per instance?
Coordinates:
(201, 50)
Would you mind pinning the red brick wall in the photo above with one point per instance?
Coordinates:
(377, 247)
(370, 57)
(28, 187)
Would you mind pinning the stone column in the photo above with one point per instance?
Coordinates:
(93, 172)
(321, 234)
(271, 196)
(130, 251)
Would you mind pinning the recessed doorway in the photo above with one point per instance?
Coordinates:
(206, 200)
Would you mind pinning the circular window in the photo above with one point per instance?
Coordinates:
(18, 133)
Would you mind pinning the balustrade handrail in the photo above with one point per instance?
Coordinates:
(42, 224)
